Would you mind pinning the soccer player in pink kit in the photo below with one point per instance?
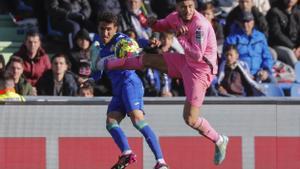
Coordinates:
(196, 67)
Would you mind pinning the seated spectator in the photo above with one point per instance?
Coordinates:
(252, 47)
(58, 81)
(234, 78)
(36, 60)
(261, 23)
(81, 50)
(208, 10)
(84, 73)
(15, 67)
(7, 91)
(100, 6)
(285, 30)
(2, 64)
(262, 5)
(70, 16)
(135, 17)
(86, 90)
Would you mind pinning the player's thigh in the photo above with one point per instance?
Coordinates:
(114, 116)
(195, 85)
(132, 96)
(115, 108)
(155, 61)
(175, 63)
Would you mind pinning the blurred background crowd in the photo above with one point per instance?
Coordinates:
(46, 45)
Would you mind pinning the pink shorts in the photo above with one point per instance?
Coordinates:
(195, 81)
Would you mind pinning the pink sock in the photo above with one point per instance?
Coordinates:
(204, 128)
(134, 63)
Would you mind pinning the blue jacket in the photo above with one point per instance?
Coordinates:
(253, 49)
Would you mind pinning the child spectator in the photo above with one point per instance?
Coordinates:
(86, 90)
(7, 91)
(234, 77)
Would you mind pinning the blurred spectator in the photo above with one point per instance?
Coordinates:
(81, 50)
(100, 6)
(69, 16)
(285, 30)
(246, 5)
(234, 78)
(226, 6)
(252, 47)
(86, 90)
(7, 91)
(84, 73)
(15, 67)
(36, 60)
(262, 5)
(135, 16)
(2, 64)
(58, 81)
(208, 10)
(168, 7)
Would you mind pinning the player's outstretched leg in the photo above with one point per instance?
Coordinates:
(127, 157)
(151, 140)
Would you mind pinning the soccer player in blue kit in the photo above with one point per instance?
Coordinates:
(127, 98)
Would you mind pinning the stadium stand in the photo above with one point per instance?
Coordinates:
(272, 89)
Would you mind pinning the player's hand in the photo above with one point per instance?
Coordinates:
(151, 21)
(181, 30)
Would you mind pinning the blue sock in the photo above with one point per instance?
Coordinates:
(150, 137)
(119, 137)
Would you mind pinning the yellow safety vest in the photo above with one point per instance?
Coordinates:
(10, 95)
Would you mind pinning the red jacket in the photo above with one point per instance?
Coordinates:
(34, 68)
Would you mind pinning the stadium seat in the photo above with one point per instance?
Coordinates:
(295, 90)
(271, 89)
(297, 70)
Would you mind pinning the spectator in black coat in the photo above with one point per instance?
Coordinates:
(285, 30)
(58, 81)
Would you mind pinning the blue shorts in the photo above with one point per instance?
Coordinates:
(128, 98)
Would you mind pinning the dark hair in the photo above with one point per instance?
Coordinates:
(178, 1)
(63, 55)
(207, 6)
(15, 59)
(108, 17)
(32, 33)
(230, 47)
(87, 86)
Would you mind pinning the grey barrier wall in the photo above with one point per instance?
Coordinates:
(54, 117)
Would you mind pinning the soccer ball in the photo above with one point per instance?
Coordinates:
(126, 47)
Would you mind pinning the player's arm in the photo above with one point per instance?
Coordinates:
(193, 45)
(161, 25)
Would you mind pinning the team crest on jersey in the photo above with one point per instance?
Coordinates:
(199, 36)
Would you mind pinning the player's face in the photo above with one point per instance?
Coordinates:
(186, 9)
(107, 31)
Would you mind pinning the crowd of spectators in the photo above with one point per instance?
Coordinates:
(249, 49)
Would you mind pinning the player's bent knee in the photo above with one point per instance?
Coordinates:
(140, 124)
(111, 125)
